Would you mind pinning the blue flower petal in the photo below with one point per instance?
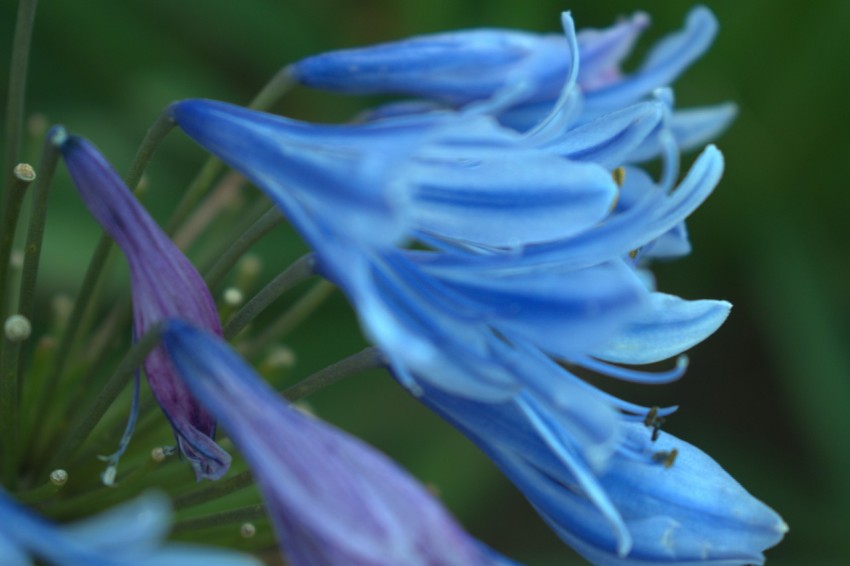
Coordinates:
(668, 58)
(692, 128)
(456, 67)
(611, 139)
(672, 326)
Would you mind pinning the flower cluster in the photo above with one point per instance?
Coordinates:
(494, 235)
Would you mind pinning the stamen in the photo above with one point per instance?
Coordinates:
(654, 421)
(619, 175)
(668, 458)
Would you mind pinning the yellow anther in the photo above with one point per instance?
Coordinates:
(619, 175)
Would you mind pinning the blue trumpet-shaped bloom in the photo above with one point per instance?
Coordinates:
(332, 498)
(130, 535)
(479, 325)
(526, 72)
(654, 502)
(165, 284)
(423, 175)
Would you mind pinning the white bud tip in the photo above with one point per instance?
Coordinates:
(247, 530)
(158, 454)
(17, 328)
(24, 172)
(233, 297)
(59, 477)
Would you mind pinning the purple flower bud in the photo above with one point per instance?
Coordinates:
(165, 284)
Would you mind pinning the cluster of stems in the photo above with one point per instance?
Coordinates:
(64, 382)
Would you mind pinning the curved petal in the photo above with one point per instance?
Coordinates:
(670, 327)
(666, 61)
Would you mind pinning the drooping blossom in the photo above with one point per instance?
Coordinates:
(165, 284)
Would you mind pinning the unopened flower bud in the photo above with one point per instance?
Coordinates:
(17, 328)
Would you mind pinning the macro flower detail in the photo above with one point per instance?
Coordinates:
(332, 498)
(638, 509)
(465, 178)
(128, 535)
(165, 284)
(495, 223)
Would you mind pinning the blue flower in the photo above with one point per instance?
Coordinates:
(476, 319)
(423, 175)
(130, 535)
(654, 502)
(520, 76)
(332, 498)
(165, 284)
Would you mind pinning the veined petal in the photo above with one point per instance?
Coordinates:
(561, 311)
(332, 498)
(456, 67)
(650, 218)
(310, 168)
(609, 139)
(670, 327)
(602, 51)
(667, 60)
(164, 284)
(692, 128)
(636, 510)
(691, 511)
(511, 199)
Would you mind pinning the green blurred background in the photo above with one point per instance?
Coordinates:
(768, 396)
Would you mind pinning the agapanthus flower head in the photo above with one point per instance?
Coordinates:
(165, 284)
(656, 501)
(332, 498)
(132, 534)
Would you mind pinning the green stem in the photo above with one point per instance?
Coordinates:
(369, 358)
(273, 91)
(291, 318)
(17, 87)
(265, 224)
(153, 139)
(129, 365)
(214, 490)
(23, 175)
(249, 513)
(9, 348)
(58, 480)
(35, 231)
(299, 271)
